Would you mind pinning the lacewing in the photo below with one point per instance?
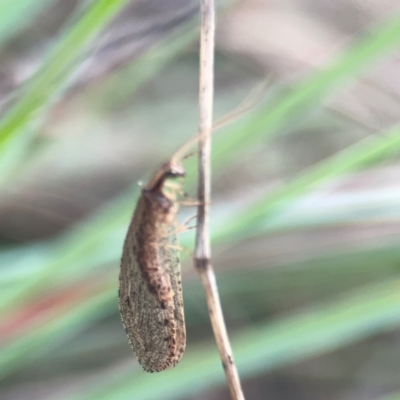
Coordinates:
(150, 287)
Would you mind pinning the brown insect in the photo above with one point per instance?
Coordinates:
(150, 289)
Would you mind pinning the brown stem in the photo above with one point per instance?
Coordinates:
(202, 253)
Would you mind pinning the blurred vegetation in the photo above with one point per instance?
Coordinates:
(305, 219)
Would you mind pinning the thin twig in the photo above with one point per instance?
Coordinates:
(202, 251)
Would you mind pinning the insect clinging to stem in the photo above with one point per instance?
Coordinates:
(150, 287)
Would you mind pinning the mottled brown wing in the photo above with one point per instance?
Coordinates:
(150, 291)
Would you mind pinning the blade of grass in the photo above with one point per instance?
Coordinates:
(15, 126)
(357, 156)
(270, 119)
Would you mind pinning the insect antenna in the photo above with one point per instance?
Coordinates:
(253, 98)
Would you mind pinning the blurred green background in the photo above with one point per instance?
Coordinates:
(95, 95)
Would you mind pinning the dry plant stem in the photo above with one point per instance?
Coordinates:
(203, 249)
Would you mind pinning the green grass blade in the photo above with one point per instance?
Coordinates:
(270, 119)
(357, 156)
(14, 127)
